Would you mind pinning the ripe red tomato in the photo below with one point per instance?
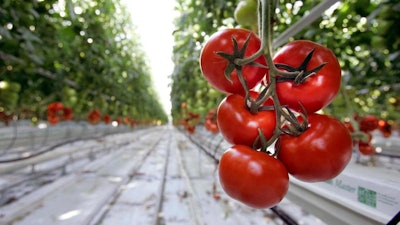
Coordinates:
(238, 125)
(316, 91)
(318, 154)
(190, 129)
(53, 120)
(213, 65)
(68, 113)
(369, 123)
(94, 117)
(211, 126)
(253, 177)
(385, 128)
(107, 119)
(366, 149)
(55, 107)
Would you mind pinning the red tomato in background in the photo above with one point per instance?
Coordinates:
(53, 120)
(213, 65)
(211, 126)
(238, 125)
(318, 90)
(55, 107)
(369, 123)
(385, 128)
(94, 117)
(318, 154)
(68, 113)
(366, 149)
(253, 177)
(190, 129)
(54, 111)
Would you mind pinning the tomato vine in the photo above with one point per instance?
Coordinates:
(251, 123)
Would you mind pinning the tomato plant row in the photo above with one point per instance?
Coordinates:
(57, 112)
(74, 52)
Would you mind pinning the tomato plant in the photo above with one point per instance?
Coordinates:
(253, 177)
(218, 54)
(239, 126)
(315, 87)
(320, 153)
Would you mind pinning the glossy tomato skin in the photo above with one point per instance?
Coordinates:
(369, 123)
(318, 154)
(213, 65)
(318, 90)
(253, 177)
(366, 149)
(238, 125)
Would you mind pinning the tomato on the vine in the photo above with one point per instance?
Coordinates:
(385, 128)
(253, 177)
(211, 126)
(94, 117)
(107, 119)
(213, 65)
(53, 120)
(320, 153)
(369, 123)
(239, 126)
(54, 110)
(68, 113)
(317, 89)
(366, 149)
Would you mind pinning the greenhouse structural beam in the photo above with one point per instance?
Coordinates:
(314, 14)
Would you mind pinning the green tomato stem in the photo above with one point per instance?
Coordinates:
(266, 8)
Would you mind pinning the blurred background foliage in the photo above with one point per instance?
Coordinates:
(363, 34)
(84, 54)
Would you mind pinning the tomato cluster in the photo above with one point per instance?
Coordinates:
(211, 121)
(189, 119)
(366, 125)
(94, 117)
(269, 115)
(56, 112)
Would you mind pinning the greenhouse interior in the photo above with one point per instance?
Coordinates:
(189, 112)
